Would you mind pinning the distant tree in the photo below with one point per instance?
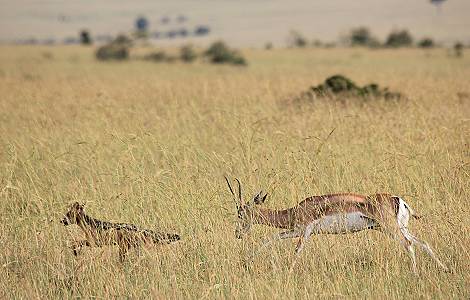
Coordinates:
(85, 38)
(141, 26)
(268, 46)
(426, 43)
(399, 38)
(361, 36)
(296, 39)
(201, 30)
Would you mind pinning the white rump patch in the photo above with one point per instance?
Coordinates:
(404, 212)
(403, 217)
(342, 223)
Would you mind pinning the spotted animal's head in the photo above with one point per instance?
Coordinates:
(245, 210)
(73, 215)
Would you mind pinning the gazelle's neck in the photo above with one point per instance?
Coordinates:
(275, 218)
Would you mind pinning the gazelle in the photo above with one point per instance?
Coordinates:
(332, 214)
(100, 233)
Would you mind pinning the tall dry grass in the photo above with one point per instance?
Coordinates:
(149, 144)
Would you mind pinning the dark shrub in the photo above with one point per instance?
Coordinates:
(426, 43)
(219, 53)
(85, 38)
(112, 52)
(458, 49)
(118, 49)
(317, 43)
(188, 54)
(400, 38)
(122, 40)
(159, 56)
(361, 36)
(341, 86)
(296, 39)
(268, 46)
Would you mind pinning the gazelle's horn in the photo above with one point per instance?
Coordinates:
(239, 191)
(231, 191)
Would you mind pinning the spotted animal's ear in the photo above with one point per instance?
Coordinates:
(77, 206)
(260, 198)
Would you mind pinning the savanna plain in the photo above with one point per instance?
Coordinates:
(149, 144)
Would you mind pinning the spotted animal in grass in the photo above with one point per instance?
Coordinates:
(101, 233)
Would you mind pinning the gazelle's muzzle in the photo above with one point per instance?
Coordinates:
(65, 221)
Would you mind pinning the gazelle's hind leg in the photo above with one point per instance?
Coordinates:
(397, 234)
(424, 245)
(404, 213)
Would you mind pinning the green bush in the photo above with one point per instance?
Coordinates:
(85, 38)
(112, 52)
(361, 36)
(220, 53)
(159, 56)
(341, 86)
(296, 39)
(458, 49)
(188, 54)
(118, 49)
(399, 38)
(426, 43)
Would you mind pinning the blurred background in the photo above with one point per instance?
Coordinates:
(242, 23)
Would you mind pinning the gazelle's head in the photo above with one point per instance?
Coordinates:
(73, 215)
(245, 210)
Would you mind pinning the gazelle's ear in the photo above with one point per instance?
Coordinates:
(259, 198)
(264, 198)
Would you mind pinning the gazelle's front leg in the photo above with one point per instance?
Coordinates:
(303, 239)
(276, 237)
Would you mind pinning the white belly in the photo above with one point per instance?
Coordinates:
(342, 223)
